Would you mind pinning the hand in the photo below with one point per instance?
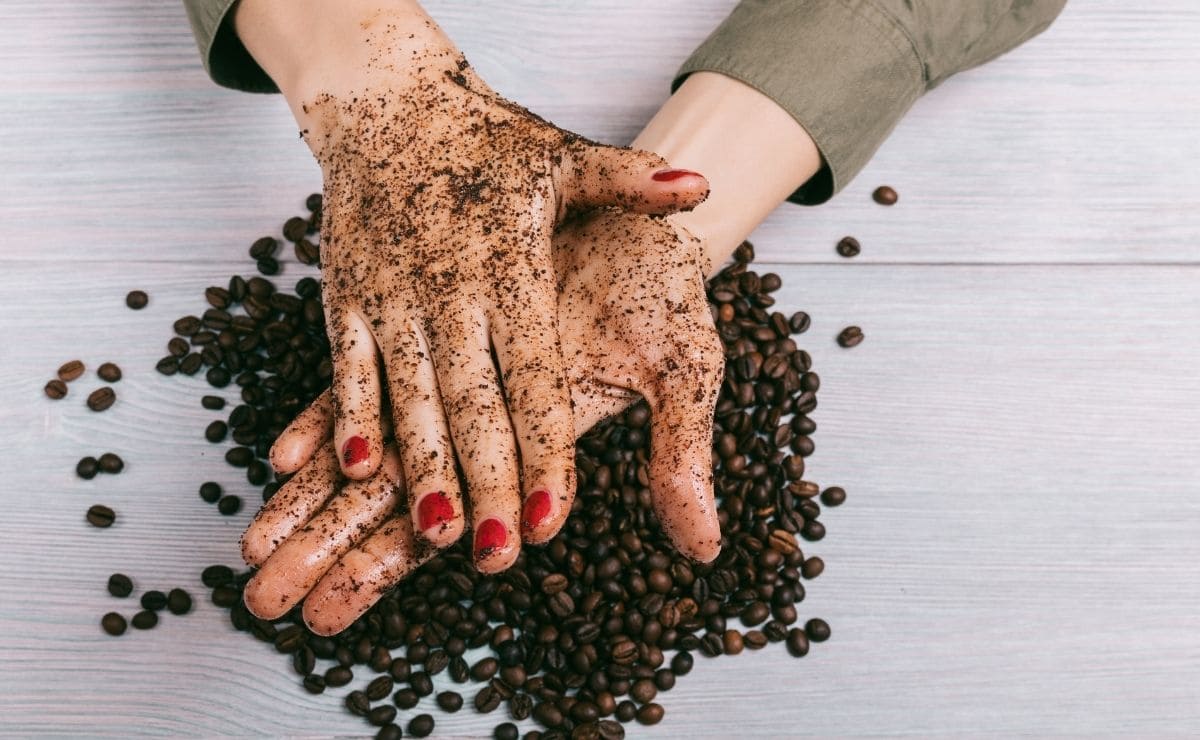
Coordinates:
(440, 200)
(633, 316)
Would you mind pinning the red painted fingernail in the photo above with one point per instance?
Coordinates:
(490, 536)
(669, 175)
(355, 450)
(433, 510)
(537, 508)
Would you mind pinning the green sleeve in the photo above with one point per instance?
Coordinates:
(226, 60)
(848, 70)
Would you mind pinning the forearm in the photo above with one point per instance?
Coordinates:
(752, 151)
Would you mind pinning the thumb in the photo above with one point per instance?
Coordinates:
(681, 468)
(596, 176)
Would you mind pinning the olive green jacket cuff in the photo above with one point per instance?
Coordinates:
(225, 58)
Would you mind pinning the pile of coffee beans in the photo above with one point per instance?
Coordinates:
(586, 632)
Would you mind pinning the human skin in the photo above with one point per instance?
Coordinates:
(755, 154)
(440, 200)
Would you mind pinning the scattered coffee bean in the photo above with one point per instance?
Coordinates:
(450, 701)
(111, 463)
(56, 389)
(120, 585)
(229, 505)
(797, 642)
(849, 247)
(885, 196)
(70, 371)
(314, 684)
(216, 431)
(421, 725)
(217, 575)
(101, 516)
(210, 492)
(338, 675)
(168, 365)
(833, 496)
(817, 630)
(381, 715)
(154, 601)
(851, 336)
(113, 623)
(812, 567)
(109, 372)
(136, 299)
(264, 247)
(212, 403)
(144, 620)
(650, 714)
(506, 731)
(87, 467)
(101, 399)
(179, 602)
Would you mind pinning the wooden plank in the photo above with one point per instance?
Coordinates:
(1079, 147)
(1017, 555)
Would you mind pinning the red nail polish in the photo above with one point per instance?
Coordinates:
(490, 536)
(669, 175)
(355, 450)
(537, 508)
(433, 510)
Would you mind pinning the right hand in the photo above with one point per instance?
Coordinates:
(633, 315)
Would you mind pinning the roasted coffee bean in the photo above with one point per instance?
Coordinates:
(56, 389)
(187, 326)
(154, 600)
(314, 684)
(506, 731)
(421, 725)
(268, 266)
(754, 639)
(136, 299)
(306, 252)
(732, 642)
(216, 575)
(144, 620)
(210, 492)
(650, 714)
(817, 630)
(264, 247)
(406, 698)
(797, 642)
(833, 496)
(382, 715)
(218, 377)
(110, 462)
(101, 516)
(643, 691)
(338, 675)
(487, 700)
(358, 703)
(168, 365)
(229, 505)
(212, 403)
(849, 247)
(120, 585)
(799, 322)
(851, 336)
(226, 596)
(179, 602)
(101, 399)
(216, 431)
(885, 196)
(295, 228)
(812, 567)
(113, 623)
(87, 467)
(239, 457)
(450, 701)
(109, 372)
(70, 371)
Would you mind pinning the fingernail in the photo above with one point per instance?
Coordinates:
(433, 510)
(669, 175)
(355, 450)
(490, 536)
(537, 508)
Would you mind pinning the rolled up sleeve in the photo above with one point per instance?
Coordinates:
(225, 58)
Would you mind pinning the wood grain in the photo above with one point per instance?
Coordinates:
(1018, 553)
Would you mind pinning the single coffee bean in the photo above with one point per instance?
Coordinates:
(187, 325)
(136, 299)
(56, 389)
(144, 620)
(229, 505)
(120, 585)
(833, 496)
(379, 688)
(168, 365)
(212, 403)
(389, 732)
(682, 663)
(218, 377)
(506, 731)
(216, 575)
(314, 684)
(216, 431)
(177, 347)
(210, 492)
(643, 691)
(112, 463)
(812, 567)
(101, 399)
(268, 266)
(338, 675)
(421, 725)
(154, 600)
(101, 516)
(190, 364)
(264, 247)
(817, 630)
(239, 457)
(650, 714)
(109, 372)
(313, 202)
(421, 682)
(295, 228)
(113, 623)
(797, 642)
(358, 703)
(179, 602)
(849, 247)
(450, 701)
(87, 467)
(406, 698)
(851, 336)
(382, 715)
(799, 322)
(885, 196)
(732, 642)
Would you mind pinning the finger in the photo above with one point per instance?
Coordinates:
(682, 403)
(357, 433)
(296, 502)
(539, 405)
(596, 175)
(364, 574)
(423, 438)
(483, 439)
(304, 436)
(296, 566)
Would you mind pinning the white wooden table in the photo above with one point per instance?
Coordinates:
(1020, 552)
